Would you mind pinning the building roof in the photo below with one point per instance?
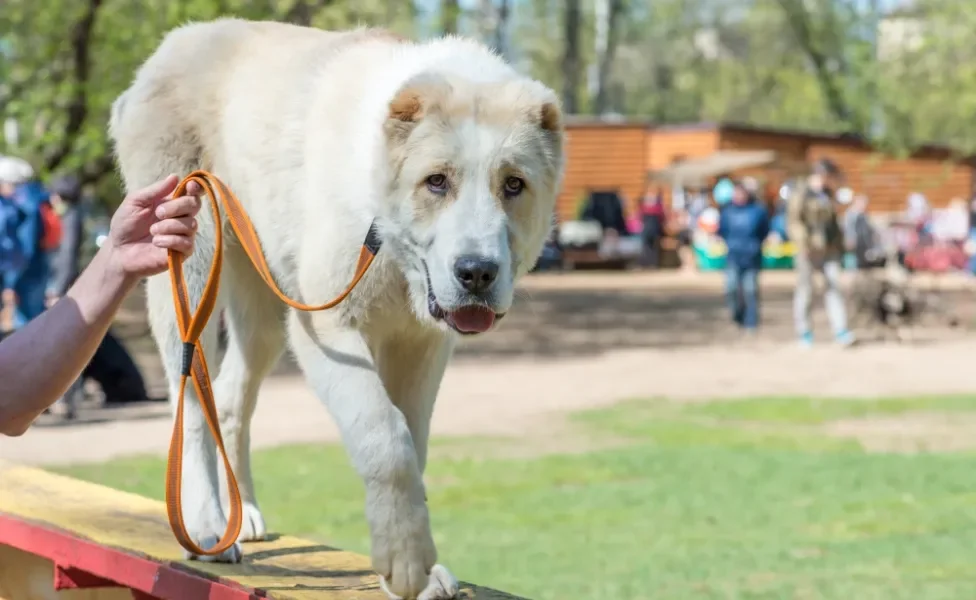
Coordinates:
(804, 134)
(698, 171)
(852, 139)
(606, 121)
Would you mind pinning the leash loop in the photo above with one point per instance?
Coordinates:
(191, 324)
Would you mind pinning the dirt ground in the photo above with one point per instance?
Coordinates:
(573, 341)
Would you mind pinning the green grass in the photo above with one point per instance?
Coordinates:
(811, 411)
(722, 500)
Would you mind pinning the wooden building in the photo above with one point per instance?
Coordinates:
(937, 172)
(623, 155)
(602, 155)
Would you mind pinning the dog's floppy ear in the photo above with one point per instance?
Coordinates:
(417, 98)
(550, 117)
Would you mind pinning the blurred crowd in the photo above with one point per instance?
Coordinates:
(814, 224)
(41, 234)
(42, 252)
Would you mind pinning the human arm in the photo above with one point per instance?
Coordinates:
(41, 360)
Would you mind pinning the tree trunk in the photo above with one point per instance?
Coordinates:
(501, 27)
(80, 41)
(493, 24)
(303, 11)
(615, 10)
(572, 67)
(450, 15)
(830, 80)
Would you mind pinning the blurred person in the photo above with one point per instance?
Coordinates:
(723, 190)
(812, 224)
(972, 213)
(28, 281)
(970, 244)
(777, 222)
(65, 263)
(696, 203)
(918, 213)
(12, 257)
(953, 227)
(743, 225)
(40, 361)
(857, 208)
(112, 366)
(652, 215)
(917, 208)
(862, 237)
(751, 186)
(66, 192)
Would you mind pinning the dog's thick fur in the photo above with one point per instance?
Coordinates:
(318, 133)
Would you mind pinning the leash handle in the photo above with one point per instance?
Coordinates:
(194, 364)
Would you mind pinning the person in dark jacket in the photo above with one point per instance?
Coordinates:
(112, 366)
(652, 215)
(66, 260)
(743, 225)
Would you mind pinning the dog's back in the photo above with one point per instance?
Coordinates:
(185, 94)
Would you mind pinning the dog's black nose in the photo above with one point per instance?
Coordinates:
(475, 273)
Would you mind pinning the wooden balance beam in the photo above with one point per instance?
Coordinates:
(117, 545)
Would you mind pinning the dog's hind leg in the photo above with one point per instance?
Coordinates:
(202, 512)
(255, 341)
(151, 141)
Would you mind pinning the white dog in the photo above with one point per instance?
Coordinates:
(458, 159)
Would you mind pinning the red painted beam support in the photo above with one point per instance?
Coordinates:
(81, 563)
(72, 578)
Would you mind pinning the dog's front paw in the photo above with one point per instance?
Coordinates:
(231, 555)
(253, 528)
(405, 565)
(403, 549)
(440, 586)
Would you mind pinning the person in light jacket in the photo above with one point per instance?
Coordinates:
(817, 236)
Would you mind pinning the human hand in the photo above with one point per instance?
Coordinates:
(149, 223)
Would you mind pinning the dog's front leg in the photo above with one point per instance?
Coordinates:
(412, 368)
(340, 367)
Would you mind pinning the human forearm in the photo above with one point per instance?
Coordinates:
(41, 360)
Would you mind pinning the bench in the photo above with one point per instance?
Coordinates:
(112, 545)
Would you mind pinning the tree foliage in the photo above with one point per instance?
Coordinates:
(65, 61)
(904, 78)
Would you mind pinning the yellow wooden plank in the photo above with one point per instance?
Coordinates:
(288, 568)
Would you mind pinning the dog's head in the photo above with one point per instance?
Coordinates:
(474, 172)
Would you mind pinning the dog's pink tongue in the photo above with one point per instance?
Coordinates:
(473, 319)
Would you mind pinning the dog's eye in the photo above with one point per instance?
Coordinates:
(514, 186)
(437, 183)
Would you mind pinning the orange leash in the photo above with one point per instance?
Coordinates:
(194, 365)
